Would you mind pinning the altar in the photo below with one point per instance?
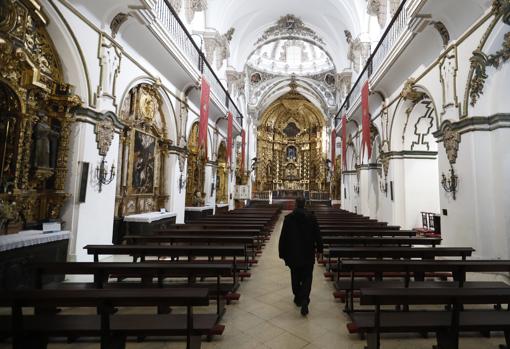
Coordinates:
(19, 252)
(146, 223)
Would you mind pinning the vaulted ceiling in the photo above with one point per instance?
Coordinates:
(328, 18)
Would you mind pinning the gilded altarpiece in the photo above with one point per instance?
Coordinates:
(222, 175)
(336, 179)
(195, 181)
(289, 145)
(143, 152)
(36, 115)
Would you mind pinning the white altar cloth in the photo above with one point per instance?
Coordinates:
(30, 238)
(149, 217)
(199, 209)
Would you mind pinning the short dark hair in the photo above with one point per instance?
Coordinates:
(300, 202)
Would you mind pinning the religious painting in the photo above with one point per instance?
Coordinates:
(143, 163)
(291, 153)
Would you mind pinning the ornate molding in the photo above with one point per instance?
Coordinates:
(117, 21)
(292, 26)
(104, 131)
(410, 93)
(451, 140)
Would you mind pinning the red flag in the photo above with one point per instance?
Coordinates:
(229, 137)
(243, 145)
(344, 141)
(333, 147)
(365, 120)
(204, 114)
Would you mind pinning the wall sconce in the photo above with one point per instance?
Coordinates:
(102, 174)
(383, 186)
(450, 183)
(356, 189)
(182, 183)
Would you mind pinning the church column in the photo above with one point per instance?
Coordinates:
(368, 190)
(176, 181)
(477, 150)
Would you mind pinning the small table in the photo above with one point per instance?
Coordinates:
(19, 251)
(194, 213)
(146, 223)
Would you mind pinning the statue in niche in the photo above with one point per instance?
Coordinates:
(110, 64)
(43, 135)
(198, 200)
(291, 153)
(448, 69)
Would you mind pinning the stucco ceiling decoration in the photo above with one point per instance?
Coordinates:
(289, 26)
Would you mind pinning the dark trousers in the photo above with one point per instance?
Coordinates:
(301, 277)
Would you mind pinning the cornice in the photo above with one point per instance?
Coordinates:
(475, 123)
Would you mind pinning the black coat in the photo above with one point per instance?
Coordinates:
(300, 238)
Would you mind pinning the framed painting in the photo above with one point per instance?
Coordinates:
(143, 163)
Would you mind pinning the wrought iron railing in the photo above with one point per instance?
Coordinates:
(261, 195)
(170, 20)
(391, 35)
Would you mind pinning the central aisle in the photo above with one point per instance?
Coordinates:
(266, 317)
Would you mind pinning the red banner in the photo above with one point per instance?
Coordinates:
(333, 148)
(230, 127)
(243, 151)
(365, 120)
(344, 141)
(204, 114)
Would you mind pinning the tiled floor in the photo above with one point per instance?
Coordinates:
(266, 317)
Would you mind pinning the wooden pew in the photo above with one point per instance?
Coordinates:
(146, 272)
(399, 252)
(446, 324)
(416, 269)
(367, 232)
(379, 241)
(187, 251)
(32, 331)
(251, 243)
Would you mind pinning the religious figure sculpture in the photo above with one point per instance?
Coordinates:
(42, 146)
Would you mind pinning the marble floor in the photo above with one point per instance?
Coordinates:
(266, 317)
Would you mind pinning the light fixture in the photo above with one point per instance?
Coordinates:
(450, 183)
(253, 166)
(102, 176)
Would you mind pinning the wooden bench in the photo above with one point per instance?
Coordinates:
(446, 324)
(146, 272)
(418, 269)
(379, 241)
(33, 331)
(367, 232)
(187, 251)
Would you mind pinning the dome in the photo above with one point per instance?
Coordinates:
(290, 56)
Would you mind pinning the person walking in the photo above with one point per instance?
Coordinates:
(300, 240)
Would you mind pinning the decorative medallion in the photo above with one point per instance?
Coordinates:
(104, 135)
(117, 21)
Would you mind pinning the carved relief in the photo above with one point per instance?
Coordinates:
(451, 140)
(109, 56)
(290, 25)
(117, 22)
(217, 47)
(377, 8)
(104, 135)
(448, 67)
(194, 6)
(410, 93)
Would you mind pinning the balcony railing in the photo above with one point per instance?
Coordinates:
(170, 20)
(388, 40)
